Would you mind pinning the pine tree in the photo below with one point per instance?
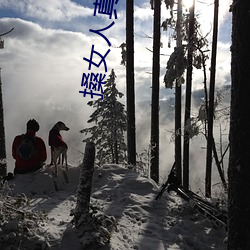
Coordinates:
(3, 164)
(238, 170)
(131, 126)
(154, 167)
(110, 120)
(210, 117)
(3, 161)
(191, 26)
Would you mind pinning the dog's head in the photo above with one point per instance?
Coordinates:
(61, 126)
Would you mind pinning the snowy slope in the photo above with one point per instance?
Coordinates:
(141, 221)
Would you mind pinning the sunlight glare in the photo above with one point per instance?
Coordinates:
(188, 3)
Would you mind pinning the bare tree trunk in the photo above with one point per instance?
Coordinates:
(188, 98)
(131, 138)
(116, 152)
(93, 231)
(154, 168)
(218, 164)
(178, 157)
(81, 215)
(239, 159)
(3, 161)
(211, 102)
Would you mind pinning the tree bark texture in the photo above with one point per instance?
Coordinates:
(210, 119)
(3, 162)
(131, 134)
(178, 158)
(83, 193)
(154, 168)
(239, 160)
(188, 97)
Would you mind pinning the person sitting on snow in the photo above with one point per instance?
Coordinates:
(29, 150)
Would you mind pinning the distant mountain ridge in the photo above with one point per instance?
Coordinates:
(167, 107)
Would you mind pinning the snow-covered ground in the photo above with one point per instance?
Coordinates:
(141, 221)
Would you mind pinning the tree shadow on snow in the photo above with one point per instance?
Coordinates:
(39, 188)
(178, 227)
(131, 200)
(167, 223)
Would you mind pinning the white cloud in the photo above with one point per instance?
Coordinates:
(205, 12)
(42, 67)
(143, 13)
(55, 10)
(41, 75)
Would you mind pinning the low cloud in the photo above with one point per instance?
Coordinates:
(42, 68)
(56, 10)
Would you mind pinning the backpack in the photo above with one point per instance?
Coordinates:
(26, 148)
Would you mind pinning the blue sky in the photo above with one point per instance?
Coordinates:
(42, 62)
(55, 14)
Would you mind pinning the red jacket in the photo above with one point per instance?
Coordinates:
(55, 139)
(37, 159)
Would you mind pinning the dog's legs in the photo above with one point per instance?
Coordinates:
(66, 161)
(57, 152)
(63, 157)
(55, 158)
(64, 172)
(56, 170)
(59, 159)
(51, 156)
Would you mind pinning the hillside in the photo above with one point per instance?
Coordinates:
(141, 221)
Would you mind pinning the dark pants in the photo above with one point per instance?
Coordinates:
(25, 171)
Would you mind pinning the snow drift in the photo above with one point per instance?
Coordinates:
(141, 221)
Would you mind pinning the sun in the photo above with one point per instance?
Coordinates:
(188, 3)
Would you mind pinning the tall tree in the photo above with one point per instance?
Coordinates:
(154, 168)
(110, 125)
(176, 66)
(3, 162)
(210, 139)
(131, 130)
(239, 159)
(178, 156)
(188, 96)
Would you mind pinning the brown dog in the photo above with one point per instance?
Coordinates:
(57, 145)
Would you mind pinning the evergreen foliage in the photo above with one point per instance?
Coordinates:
(110, 121)
(177, 63)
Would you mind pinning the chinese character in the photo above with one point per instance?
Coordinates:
(94, 82)
(99, 33)
(105, 7)
(91, 81)
(90, 93)
(102, 59)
